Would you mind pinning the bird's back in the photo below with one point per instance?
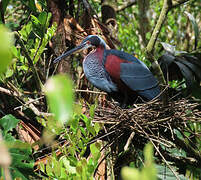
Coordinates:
(131, 74)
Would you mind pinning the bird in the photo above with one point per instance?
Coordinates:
(122, 76)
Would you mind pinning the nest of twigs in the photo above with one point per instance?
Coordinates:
(155, 123)
(150, 115)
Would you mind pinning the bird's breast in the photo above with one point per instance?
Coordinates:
(92, 65)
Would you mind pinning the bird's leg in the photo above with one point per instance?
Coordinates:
(125, 100)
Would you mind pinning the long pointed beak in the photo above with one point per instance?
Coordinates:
(84, 45)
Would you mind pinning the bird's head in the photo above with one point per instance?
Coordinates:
(89, 41)
(94, 40)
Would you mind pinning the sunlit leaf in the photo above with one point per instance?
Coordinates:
(129, 173)
(42, 18)
(25, 31)
(58, 90)
(148, 172)
(95, 150)
(6, 41)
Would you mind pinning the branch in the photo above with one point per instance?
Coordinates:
(167, 6)
(28, 103)
(178, 3)
(129, 4)
(157, 149)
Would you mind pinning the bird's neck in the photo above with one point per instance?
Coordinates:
(99, 52)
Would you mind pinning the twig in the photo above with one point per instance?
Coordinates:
(129, 4)
(129, 141)
(8, 92)
(28, 102)
(152, 41)
(178, 3)
(88, 91)
(19, 97)
(158, 151)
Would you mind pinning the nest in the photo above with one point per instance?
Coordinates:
(152, 122)
(149, 116)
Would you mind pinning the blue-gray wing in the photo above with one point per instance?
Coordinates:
(139, 78)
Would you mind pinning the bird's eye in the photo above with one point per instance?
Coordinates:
(88, 42)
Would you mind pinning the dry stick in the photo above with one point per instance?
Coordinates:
(19, 96)
(158, 151)
(129, 4)
(29, 102)
(129, 141)
(108, 152)
(101, 137)
(178, 3)
(88, 91)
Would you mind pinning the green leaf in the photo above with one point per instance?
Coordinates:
(95, 150)
(129, 173)
(148, 171)
(25, 31)
(58, 90)
(97, 127)
(70, 169)
(168, 173)
(22, 163)
(6, 41)
(195, 27)
(8, 122)
(92, 111)
(148, 154)
(5, 4)
(35, 20)
(32, 5)
(42, 18)
(75, 123)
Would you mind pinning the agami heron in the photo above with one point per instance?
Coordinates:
(121, 75)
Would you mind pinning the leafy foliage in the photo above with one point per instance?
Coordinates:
(30, 67)
(188, 67)
(68, 166)
(22, 163)
(147, 172)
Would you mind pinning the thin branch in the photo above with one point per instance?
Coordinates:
(129, 4)
(129, 141)
(25, 103)
(167, 6)
(92, 92)
(178, 3)
(177, 177)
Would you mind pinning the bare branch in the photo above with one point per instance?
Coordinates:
(129, 4)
